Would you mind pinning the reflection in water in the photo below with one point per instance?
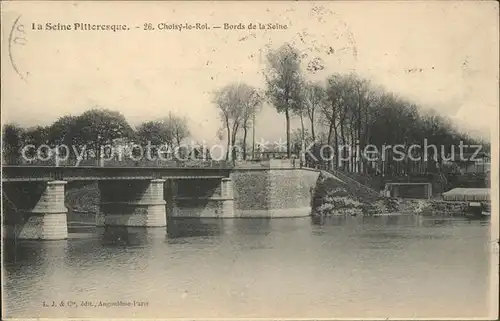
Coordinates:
(332, 220)
(129, 236)
(192, 227)
(403, 266)
(30, 253)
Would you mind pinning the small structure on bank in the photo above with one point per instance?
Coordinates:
(408, 190)
(478, 199)
(467, 194)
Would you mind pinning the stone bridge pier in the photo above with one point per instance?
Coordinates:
(35, 210)
(200, 198)
(132, 203)
(148, 203)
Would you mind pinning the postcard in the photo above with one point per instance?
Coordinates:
(250, 160)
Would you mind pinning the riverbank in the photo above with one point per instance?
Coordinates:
(331, 197)
(82, 203)
(334, 197)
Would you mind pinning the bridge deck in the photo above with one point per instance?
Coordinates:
(89, 173)
(100, 178)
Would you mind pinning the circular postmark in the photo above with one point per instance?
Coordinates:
(17, 39)
(325, 42)
(330, 42)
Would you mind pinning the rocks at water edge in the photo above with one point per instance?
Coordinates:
(335, 197)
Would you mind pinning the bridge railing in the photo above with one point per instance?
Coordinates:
(124, 163)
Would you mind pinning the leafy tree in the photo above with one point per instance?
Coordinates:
(12, 143)
(35, 136)
(168, 131)
(155, 132)
(284, 83)
(99, 127)
(356, 112)
(64, 132)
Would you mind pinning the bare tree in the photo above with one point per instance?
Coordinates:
(347, 109)
(251, 102)
(359, 103)
(284, 83)
(228, 101)
(238, 104)
(178, 127)
(314, 98)
(333, 111)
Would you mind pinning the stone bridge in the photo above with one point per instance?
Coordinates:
(144, 196)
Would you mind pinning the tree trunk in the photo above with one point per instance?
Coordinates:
(330, 131)
(311, 118)
(253, 136)
(245, 142)
(366, 140)
(228, 139)
(359, 143)
(352, 150)
(302, 145)
(177, 139)
(287, 116)
(233, 140)
(342, 138)
(336, 147)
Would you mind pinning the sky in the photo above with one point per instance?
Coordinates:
(441, 55)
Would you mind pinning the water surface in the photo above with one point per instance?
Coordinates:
(392, 266)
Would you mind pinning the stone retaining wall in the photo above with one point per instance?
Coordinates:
(283, 192)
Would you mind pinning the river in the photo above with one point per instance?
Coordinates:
(387, 266)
